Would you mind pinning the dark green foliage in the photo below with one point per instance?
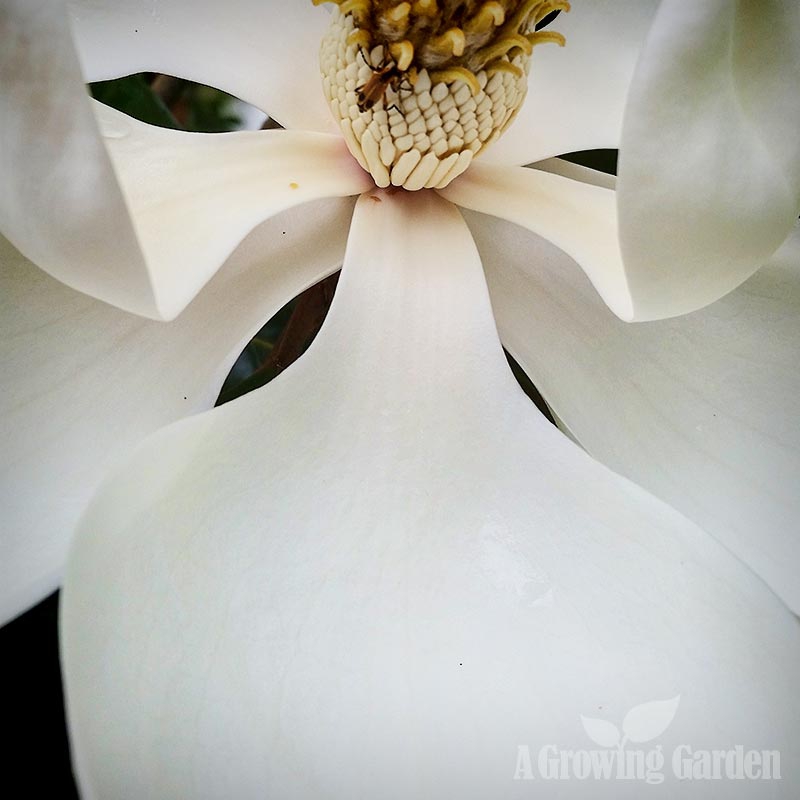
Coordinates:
(134, 96)
(169, 102)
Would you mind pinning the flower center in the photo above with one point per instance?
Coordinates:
(420, 88)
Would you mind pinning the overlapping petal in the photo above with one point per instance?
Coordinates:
(84, 382)
(709, 160)
(263, 51)
(701, 410)
(577, 216)
(59, 199)
(576, 96)
(400, 574)
(192, 197)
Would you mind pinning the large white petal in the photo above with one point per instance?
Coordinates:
(192, 197)
(84, 382)
(577, 216)
(382, 573)
(709, 162)
(701, 410)
(263, 51)
(576, 95)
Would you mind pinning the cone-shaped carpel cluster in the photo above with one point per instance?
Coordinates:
(420, 88)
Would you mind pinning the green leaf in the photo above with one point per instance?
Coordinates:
(133, 95)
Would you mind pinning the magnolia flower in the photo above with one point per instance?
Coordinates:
(383, 572)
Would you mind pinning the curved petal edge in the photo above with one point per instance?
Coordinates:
(577, 216)
(709, 170)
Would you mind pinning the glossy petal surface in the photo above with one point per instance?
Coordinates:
(193, 197)
(709, 172)
(382, 573)
(701, 410)
(59, 200)
(84, 382)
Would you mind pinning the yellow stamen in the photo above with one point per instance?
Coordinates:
(354, 7)
(358, 8)
(548, 8)
(402, 53)
(453, 74)
(451, 42)
(399, 14)
(490, 15)
(425, 8)
(502, 46)
(504, 66)
(361, 39)
(520, 17)
(540, 37)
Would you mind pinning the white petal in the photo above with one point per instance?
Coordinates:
(709, 164)
(193, 197)
(59, 200)
(382, 573)
(263, 51)
(84, 382)
(576, 95)
(578, 217)
(700, 410)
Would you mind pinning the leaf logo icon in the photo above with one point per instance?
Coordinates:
(601, 732)
(648, 720)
